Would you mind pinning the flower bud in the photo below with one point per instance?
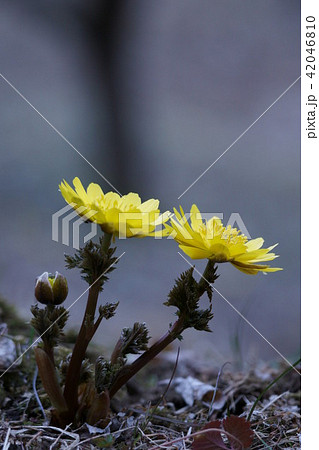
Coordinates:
(51, 289)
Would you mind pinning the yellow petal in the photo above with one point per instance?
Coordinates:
(254, 244)
(94, 192)
(150, 205)
(195, 253)
(130, 200)
(80, 189)
(246, 270)
(196, 218)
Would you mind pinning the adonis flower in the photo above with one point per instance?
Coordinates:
(124, 216)
(51, 289)
(210, 239)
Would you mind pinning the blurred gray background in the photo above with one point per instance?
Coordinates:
(151, 93)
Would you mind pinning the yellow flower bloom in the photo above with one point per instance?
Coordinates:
(124, 216)
(220, 244)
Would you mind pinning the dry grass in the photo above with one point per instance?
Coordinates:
(135, 424)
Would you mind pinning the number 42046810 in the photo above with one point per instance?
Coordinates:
(310, 46)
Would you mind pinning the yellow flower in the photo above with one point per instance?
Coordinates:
(220, 244)
(124, 216)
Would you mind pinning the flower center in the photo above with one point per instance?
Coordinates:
(220, 253)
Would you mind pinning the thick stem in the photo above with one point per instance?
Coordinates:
(106, 242)
(49, 351)
(128, 372)
(78, 354)
(49, 380)
(47, 343)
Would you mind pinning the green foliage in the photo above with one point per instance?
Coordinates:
(108, 310)
(134, 340)
(86, 371)
(105, 373)
(200, 319)
(49, 323)
(186, 295)
(95, 261)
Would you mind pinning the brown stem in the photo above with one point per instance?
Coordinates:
(97, 324)
(49, 351)
(78, 354)
(49, 379)
(128, 372)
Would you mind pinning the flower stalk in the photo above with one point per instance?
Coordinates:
(84, 337)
